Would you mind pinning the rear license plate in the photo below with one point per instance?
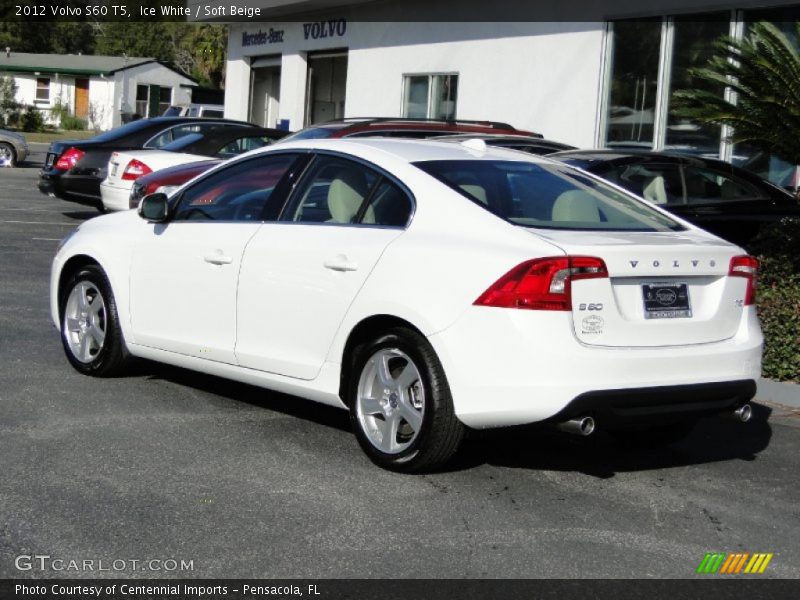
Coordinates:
(666, 301)
(49, 160)
(114, 169)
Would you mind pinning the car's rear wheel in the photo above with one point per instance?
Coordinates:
(90, 330)
(400, 403)
(7, 154)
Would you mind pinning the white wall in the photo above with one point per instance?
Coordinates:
(105, 93)
(124, 96)
(539, 76)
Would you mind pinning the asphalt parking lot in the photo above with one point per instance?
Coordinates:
(170, 464)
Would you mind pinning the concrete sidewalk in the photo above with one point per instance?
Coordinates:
(779, 392)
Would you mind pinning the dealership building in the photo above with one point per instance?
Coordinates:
(587, 74)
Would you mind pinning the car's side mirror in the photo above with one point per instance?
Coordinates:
(154, 207)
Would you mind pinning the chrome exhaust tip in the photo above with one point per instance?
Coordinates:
(579, 426)
(743, 414)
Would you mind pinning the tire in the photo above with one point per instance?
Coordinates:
(653, 437)
(7, 153)
(90, 330)
(400, 403)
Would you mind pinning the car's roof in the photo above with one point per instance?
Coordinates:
(603, 155)
(409, 150)
(489, 137)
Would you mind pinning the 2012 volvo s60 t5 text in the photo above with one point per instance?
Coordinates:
(427, 287)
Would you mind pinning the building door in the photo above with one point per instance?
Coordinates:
(154, 92)
(81, 98)
(325, 86)
(265, 93)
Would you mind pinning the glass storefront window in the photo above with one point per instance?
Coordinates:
(430, 96)
(693, 46)
(766, 165)
(634, 83)
(415, 103)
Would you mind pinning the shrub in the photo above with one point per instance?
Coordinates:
(32, 120)
(73, 123)
(778, 250)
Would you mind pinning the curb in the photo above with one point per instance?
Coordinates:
(778, 392)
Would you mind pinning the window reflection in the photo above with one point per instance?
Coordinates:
(693, 46)
(634, 83)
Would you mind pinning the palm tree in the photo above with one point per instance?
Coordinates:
(763, 71)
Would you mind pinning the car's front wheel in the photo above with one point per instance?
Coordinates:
(400, 403)
(90, 329)
(7, 154)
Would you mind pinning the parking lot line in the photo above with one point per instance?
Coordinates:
(39, 223)
(30, 209)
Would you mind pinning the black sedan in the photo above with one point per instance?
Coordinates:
(525, 143)
(224, 141)
(73, 170)
(725, 200)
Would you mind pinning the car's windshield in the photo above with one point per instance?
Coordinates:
(548, 196)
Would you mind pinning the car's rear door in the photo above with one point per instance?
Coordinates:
(300, 274)
(184, 272)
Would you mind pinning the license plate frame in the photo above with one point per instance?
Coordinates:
(49, 160)
(666, 300)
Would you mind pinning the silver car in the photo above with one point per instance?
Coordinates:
(13, 148)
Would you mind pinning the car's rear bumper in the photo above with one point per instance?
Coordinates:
(510, 367)
(115, 198)
(68, 186)
(658, 404)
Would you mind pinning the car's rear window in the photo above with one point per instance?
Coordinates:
(315, 133)
(123, 130)
(548, 196)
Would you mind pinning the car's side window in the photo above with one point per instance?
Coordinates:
(242, 145)
(659, 183)
(705, 185)
(388, 206)
(235, 193)
(172, 134)
(333, 191)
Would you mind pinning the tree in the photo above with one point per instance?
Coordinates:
(763, 72)
(9, 106)
(146, 39)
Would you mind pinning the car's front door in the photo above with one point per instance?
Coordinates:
(300, 274)
(184, 272)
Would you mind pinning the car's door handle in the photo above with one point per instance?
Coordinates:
(218, 259)
(340, 263)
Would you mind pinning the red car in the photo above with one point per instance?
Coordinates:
(167, 180)
(401, 127)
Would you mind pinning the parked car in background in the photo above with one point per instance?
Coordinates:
(166, 181)
(224, 141)
(206, 111)
(401, 127)
(524, 143)
(726, 200)
(13, 148)
(73, 170)
(426, 288)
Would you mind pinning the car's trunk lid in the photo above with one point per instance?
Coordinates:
(663, 289)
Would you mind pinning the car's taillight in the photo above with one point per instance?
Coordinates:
(542, 283)
(68, 159)
(747, 267)
(134, 170)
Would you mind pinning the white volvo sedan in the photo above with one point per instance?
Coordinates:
(427, 287)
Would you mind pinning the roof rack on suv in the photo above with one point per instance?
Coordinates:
(368, 120)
